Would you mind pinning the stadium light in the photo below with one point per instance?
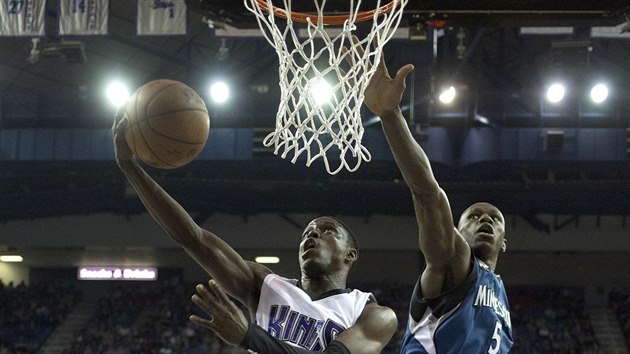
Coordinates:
(599, 93)
(447, 96)
(320, 91)
(11, 259)
(267, 259)
(219, 92)
(555, 93)
(117, 93)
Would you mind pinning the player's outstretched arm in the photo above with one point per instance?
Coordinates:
(240, 279)
(373, 330)
(446, 253)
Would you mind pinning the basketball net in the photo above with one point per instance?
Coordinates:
(305, 125)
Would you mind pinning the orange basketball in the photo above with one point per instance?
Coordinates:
(169, 123)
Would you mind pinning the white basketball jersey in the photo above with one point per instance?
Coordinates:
(289, 314)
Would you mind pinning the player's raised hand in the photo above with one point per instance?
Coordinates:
(226, 319)
(384, 93)
(121, 148)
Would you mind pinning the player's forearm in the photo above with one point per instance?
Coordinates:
(261, 342)
(162, 207)
(410, 158)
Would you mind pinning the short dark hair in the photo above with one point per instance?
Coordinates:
(352, 239)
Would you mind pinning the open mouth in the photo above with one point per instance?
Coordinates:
(486, 229)
(309, 244)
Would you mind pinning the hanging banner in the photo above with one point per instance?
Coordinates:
(161, 17)
(22, 17)
(83, 17)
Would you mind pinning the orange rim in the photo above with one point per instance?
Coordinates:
(302, 17)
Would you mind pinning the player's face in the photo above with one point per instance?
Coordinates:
(483, 227)
(323, 247)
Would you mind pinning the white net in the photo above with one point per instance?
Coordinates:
(315, 57)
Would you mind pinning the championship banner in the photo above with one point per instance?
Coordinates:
(22, 17)
(83, 17)
(161, 17)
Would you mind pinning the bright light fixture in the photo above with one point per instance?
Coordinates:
(219, 92)
(555, 93)
(11, 259)
(599, 93)
(320, 91)
(447, 96)
(267, 259)
(117, 93)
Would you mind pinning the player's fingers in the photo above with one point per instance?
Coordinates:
(381, 64)
(116, 118)
(222, 303)
(116, 122)
(375, 42)
(203, 304)
(119, 115)
(402, 73)
(350, 58)
(211, 296)
(218, 293)
(347, 56)
(120, 125)
(209, 303)
(202, 321)
(345, 77)
(357, 45)
(203, 292)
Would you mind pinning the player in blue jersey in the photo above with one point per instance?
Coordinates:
(459, 304)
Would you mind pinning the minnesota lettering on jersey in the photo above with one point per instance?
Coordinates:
(309, 333)
(486, 297)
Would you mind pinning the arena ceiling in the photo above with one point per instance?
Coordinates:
(499, 69)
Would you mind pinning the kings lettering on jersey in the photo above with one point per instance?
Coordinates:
(291, 326)
(487, 297)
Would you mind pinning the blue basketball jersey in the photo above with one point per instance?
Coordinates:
(472, 318)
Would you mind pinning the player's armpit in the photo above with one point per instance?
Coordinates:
(239, 278)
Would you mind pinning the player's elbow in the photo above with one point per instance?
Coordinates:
(427, 195)
(389, 323)
(189, 237)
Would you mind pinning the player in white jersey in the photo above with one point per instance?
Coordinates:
(327, 252)
(295, 327)
(290, 314)
(289, 320)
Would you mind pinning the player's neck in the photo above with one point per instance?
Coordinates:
(488, 259)
(320, 285)
(491, 263)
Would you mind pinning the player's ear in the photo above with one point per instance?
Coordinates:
(504, 245)
(351, 255)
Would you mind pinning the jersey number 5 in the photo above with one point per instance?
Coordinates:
(496, 337)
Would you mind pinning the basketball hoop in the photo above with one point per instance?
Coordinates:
(361, 16)
(305, 125)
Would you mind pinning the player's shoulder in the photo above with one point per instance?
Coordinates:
(259, 271)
